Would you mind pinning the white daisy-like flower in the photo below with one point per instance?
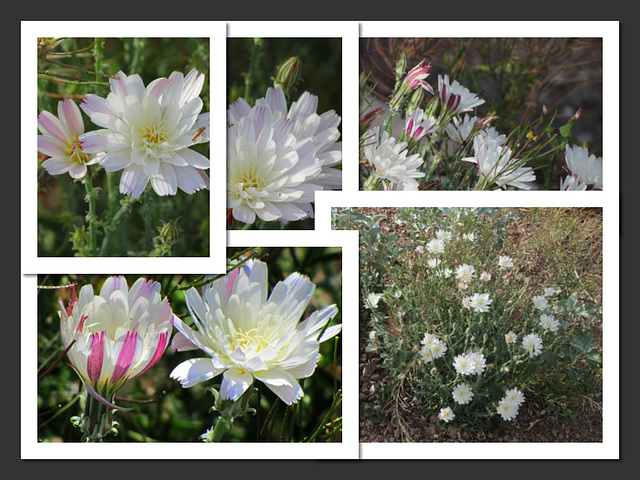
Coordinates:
(548, 322)
(507, 410)
(462, 394)
(466, 302)
(435, 245)
(416, 126)
(514, 396)
(455, 98)
(446, 414)
(480, 302)
(479, 362)
(485, 276)
(464, 364)
(278, 157)
(588, 168)
(532, 344)
(551, 291)
(247, 336)
(390, 160)
(496, 165)
(444, 235)
(505, 262)
(458, 130)
(540, 302)
(432, 348)
(433, 262)
(445, 272)
(510, 337)
(469, 236)
(372, 300)
(147, 132)
(60, 141)
(465, 273)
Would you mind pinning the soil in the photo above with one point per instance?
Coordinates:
(535, 423)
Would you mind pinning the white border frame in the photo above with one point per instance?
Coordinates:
(31, 262)
(346, 449)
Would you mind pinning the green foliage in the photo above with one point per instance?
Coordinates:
(163, 411)
(409, 293)
(100, 221)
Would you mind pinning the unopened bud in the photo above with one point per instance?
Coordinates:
(169, 231)
(288, 74)
(415, 101)
(401, 65)
(484, 122)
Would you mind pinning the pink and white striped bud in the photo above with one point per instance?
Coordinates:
(117, 335)
(417, 126)
(415, 77)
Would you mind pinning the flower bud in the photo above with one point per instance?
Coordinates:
(288, 74)
(401, 66)
(415, 101)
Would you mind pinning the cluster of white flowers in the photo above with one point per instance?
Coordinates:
(509, 405)
(472, 363)
(432, 347)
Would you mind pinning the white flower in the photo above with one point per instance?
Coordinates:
(550, 291)
(465, 273)
(510, 337)
(485, 276)
(464, 286)
(465, 364)
(507, 410)
(548, 322)
(505, 261)
(532, 343)
(540, 302)
(455, 98)
(59, 140)
(389, 159)
(479, 362)
(459, 131)
(466, 302)
(432, 347)
(433, 262)
(444, 235)
(372, 300)
(462, 394)
(588, 168)
(572, 182)
(419, 249)
(446, 414)
(514, 396)
(435, 245)
(480, 302)
(277, 158)
(469, 236)
(417, 126)
(445, 272)
(147, 132)
(496, 165)
(248, 336)
(117, 335)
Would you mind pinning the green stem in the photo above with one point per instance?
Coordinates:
(219, 430)
(69, 80)
(91, 215)
(253, 64)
